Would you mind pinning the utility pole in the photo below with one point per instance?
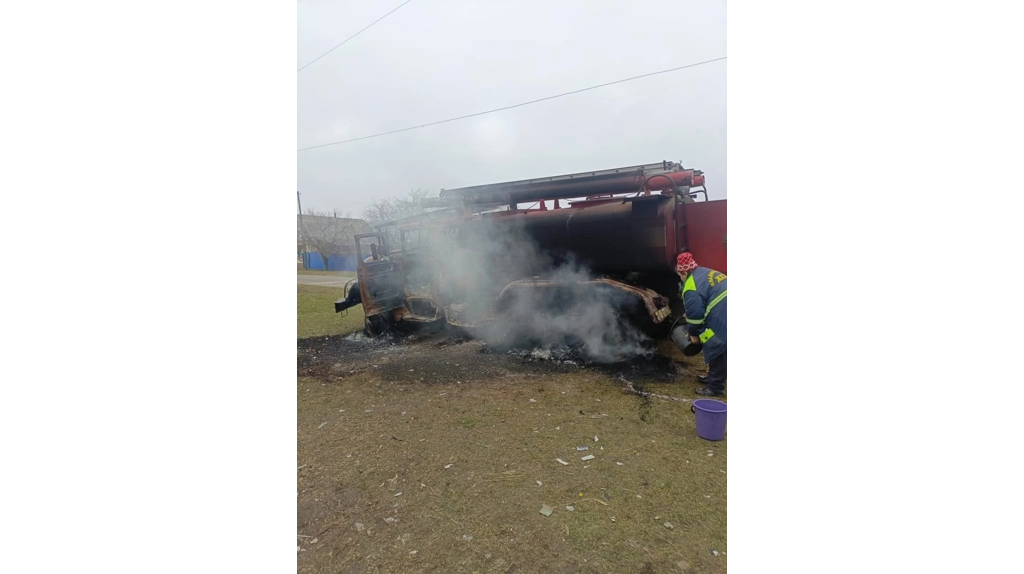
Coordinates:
(299, 230)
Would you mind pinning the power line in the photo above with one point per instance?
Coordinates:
(515, 106)
(353, 36)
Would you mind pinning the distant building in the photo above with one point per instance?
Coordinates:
(330, 236)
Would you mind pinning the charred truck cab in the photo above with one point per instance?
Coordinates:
(625, 226)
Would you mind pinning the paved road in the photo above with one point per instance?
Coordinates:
(323, 280)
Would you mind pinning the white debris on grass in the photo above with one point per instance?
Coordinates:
(542, 354)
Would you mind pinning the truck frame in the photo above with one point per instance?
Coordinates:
(624, 225)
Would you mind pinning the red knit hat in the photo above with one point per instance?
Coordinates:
(685, 263)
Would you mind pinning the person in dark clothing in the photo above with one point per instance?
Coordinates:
(703, 294)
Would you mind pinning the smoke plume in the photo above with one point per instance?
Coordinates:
(553, 307)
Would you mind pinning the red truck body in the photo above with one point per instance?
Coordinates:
(625, 226)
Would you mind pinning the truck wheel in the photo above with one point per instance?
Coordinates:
(376, 325)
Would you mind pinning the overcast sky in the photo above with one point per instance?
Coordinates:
(436, 59)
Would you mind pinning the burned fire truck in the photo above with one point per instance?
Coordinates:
(623, 226)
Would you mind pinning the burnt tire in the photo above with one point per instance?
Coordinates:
(376, 325)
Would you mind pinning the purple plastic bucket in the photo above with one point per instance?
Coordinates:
(710, 418)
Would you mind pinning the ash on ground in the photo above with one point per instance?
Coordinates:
(649, 365)
(453, 357)
(570, 354)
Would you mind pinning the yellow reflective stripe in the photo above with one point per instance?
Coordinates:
(707, 334)
(689, 285)
(714, 302)
(695, 321)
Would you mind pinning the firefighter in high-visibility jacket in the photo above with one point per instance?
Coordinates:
(704, 294)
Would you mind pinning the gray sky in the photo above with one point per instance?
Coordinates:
(436, 59)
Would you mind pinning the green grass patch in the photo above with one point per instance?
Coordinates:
(316, 316)
(341, 274)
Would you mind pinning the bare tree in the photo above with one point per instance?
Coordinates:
(331, 233)
(385, 210)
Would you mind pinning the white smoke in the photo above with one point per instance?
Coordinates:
(474, 269)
